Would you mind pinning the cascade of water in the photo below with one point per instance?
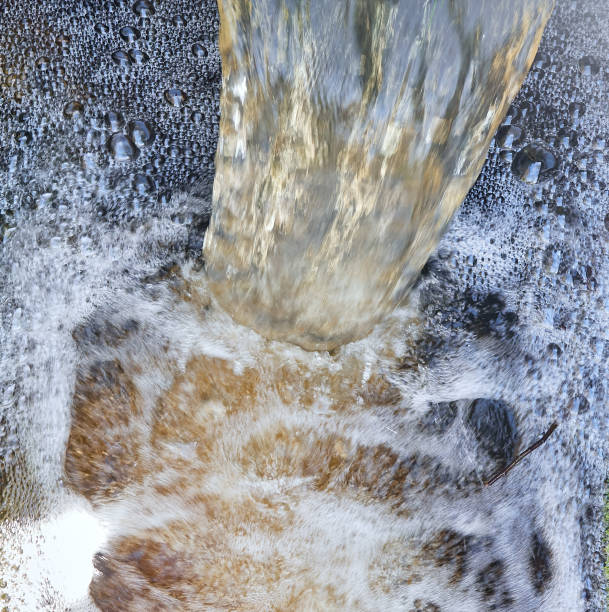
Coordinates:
(155, 454)
(347, 140)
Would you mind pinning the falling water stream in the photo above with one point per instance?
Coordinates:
(346, 143)
(298, 407)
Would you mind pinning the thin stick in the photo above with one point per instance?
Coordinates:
(522, 455)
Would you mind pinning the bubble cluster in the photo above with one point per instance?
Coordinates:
(175, 97)
(143, 8)
(73, 109)
(122, 148)
(534, 163)
(509, 136)
(91, 73)
(141, 134)
(533, 231)
(129, 34)
(114, 121)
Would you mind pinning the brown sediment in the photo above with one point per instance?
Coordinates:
(210, 443)
(232, 458)
(448, 552)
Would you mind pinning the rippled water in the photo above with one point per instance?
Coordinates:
(174, 458)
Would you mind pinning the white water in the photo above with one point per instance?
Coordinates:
(52, 284)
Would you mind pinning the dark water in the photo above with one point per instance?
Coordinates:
(164, 455)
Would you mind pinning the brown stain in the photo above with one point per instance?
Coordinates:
(406, 561)
(397, 564)
(176, 568)
(115, 443)
(449, 549)
(198, 402)
(378, 390)
(282, 452)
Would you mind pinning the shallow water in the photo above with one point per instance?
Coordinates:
(225, 463)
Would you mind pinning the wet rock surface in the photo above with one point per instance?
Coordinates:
(494, 426)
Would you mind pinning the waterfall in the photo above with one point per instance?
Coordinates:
(348, 139)
(169, 440)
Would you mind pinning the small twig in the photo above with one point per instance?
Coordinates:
(522, 455)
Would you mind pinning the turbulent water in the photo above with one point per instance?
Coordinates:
(157, 455)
